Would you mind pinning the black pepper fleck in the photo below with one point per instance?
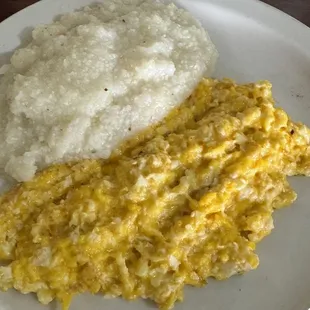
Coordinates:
(292, 131)
(129, 128)
(123, 20)
(106, 89)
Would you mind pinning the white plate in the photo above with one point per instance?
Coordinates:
(255, 42)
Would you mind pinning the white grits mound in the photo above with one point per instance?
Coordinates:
(96, 77)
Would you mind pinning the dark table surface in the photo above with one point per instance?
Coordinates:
(299, 9)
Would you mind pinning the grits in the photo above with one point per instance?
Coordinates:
(96, 77)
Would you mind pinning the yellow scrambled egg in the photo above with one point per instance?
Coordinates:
(184, 201)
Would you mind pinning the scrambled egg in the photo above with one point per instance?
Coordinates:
(184, 201)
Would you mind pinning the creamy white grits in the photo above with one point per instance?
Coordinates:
(94, 78)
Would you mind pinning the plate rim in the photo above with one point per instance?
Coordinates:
(297, 33)
(294, 31)
(236, 3)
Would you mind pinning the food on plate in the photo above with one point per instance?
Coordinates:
(185, 200)
(96, 77)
